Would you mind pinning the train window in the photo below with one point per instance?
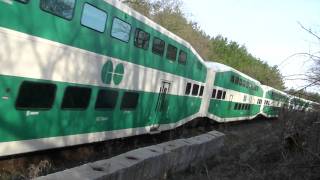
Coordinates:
(120, 30)
(129, 101)
(76, 98)
(188, 89)
(171, 52)
(235, 106)
(219, 94)
(224, 95)
(244, 98)
(239, 106)
(158, 46)
(61, 8)
(182, 57)
(201, 91)
(35, 95)
(237, 80)
(141, 39)
(240, 82)
(93, 18)
(195, 89)
(23, 1)
(106, 99)
(232, 79)
(214, 93)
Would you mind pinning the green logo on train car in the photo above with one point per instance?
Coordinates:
(109, 73)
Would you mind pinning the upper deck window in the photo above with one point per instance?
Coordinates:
(171, 52)
(141, 39)
(121, 30)
(93, 18)
(61, 8)
(182, 57)
(158, 46)
(23, 1)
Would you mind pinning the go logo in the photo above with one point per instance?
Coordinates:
(110, 73)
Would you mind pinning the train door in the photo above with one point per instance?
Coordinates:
(230, 102)
(161, 105)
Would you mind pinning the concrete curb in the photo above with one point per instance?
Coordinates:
(149, 162)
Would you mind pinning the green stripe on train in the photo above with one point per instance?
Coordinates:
(225, 109)
(18, 125)
(30, 19)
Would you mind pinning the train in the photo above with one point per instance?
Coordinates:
(81, 71)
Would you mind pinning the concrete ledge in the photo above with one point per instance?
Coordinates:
(149, 162)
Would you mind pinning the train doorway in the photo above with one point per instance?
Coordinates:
(161, 105)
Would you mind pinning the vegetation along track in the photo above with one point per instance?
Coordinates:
(287, 148)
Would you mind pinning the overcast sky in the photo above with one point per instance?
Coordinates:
(269, 29)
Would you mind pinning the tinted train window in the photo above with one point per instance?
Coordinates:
(236, 106)
(201, 91)
(237, 80)
(188, 89)
(61, 8)
(232, 79)
(129, 101)
(240, 82)
(93, 18)
(195, 89)
(182, 57)
(214, 93)
(34, 95)
(76, 98)
(171, 52)
(158, 46)
(141, 39)
(107, 99)
(23, 1)
(219, 94)
(121, 30)
(224, 95)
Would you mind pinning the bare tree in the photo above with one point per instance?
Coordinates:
(313, 75)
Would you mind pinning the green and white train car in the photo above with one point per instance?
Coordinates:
(274, 100)
(299, 104)
(81, 71)
(232, 95)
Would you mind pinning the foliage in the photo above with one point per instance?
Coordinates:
(312, 96)
(168, 14)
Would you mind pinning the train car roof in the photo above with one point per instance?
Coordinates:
(123, 7)
(222, 67)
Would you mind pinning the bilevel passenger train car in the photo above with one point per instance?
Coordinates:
(232, 95)
(81, 71)
(274, 100)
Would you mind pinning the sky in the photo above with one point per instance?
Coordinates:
(269, 29)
